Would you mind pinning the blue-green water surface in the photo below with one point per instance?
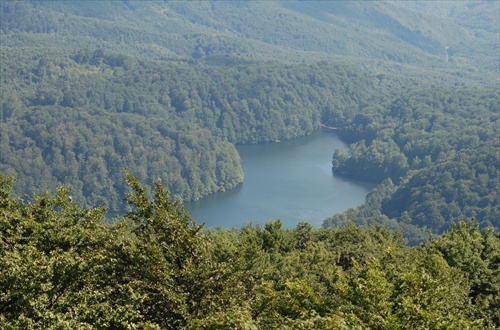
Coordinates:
(291, 181)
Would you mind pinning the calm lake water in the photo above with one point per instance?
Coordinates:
(291, 181)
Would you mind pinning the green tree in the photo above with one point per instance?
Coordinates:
(477, 255)
(339, 159)
(50, 255)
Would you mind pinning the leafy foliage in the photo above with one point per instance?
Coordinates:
(167, 88)
(408, 32)
(79, 120)
(61, 267)
(439, 149)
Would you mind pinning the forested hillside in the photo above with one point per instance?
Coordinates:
(79, 120)
(435, 155)
(125, 109)
(408, 32)
(166, 89)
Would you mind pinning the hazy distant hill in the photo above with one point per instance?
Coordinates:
(416, 33)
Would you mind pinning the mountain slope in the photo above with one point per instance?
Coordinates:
(462, 35)
(167, 88)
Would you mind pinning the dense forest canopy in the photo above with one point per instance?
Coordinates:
(61, 267)
(412, 32)
(146, 100)
(166, 89)
(435, 155)
(170, 120)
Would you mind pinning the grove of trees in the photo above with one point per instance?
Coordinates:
(434, 154)
(164, 91)
(79, 120)
(167, 89)
(62, 267)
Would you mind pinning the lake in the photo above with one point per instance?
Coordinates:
(291, 181)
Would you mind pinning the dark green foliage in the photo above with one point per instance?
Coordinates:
(464, 186)
(80, 121)
(476, 254)
(166, 88)
(51, 260)
(224, 32)
(439, 148)
(156, 269)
